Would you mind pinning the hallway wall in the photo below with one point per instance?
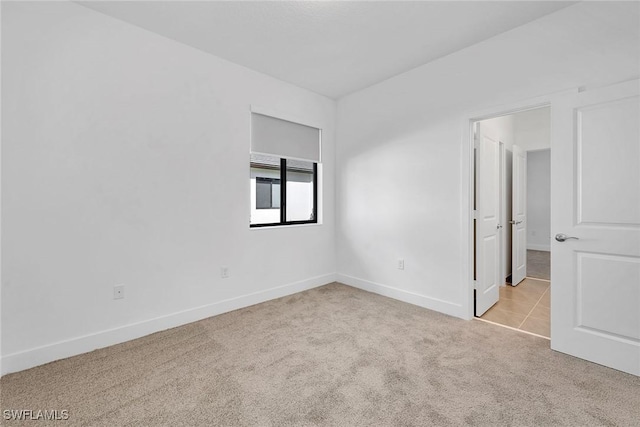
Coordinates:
(539, 200)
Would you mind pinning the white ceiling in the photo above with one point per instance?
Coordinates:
(330, 47)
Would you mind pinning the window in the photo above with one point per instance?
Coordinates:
(299, 192)
(284, 172)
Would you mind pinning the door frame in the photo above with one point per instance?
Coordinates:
(468, 179)
(502, 173)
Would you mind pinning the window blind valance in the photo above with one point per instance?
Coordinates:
(283, 138)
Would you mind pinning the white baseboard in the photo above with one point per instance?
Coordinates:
(435, 304)
(48, 353)
(536, 247)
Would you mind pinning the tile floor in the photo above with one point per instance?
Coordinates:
(539, 264)
(526, 307)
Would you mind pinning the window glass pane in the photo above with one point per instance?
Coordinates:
(265, 189)
(300, 191)
(275, 194)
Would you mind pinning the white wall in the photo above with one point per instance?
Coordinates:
(126, 161)
(501, 128)
(1, 44)
(539, 200)
(403, 154)
(533, 129)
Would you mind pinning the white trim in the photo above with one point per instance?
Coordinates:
(467, 216)
(535, 247)
(502, 264)
(424, 301)
(271, 227)
(48, 353)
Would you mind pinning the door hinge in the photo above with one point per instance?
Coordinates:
(475, 284)
(475, 214)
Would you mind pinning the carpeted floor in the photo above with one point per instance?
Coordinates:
(329, 356)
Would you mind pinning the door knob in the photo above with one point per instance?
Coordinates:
(515, 222)
(562, 237)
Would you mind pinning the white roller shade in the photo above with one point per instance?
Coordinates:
(284, 139)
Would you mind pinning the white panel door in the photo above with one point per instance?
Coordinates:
(487, 221)
(519, 217)
(595, 216)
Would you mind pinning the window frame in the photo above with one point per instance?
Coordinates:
(283, 199)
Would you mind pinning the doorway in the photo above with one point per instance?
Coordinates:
(512, 220)
(595, 221)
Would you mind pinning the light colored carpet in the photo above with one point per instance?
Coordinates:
(539, 264)
(329, 356)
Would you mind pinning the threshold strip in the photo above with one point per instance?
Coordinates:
(512, 328)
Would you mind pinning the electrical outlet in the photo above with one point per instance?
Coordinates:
(224, 272)
(118, 292)
(400, 264)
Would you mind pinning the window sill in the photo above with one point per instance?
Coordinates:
(271, 227)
